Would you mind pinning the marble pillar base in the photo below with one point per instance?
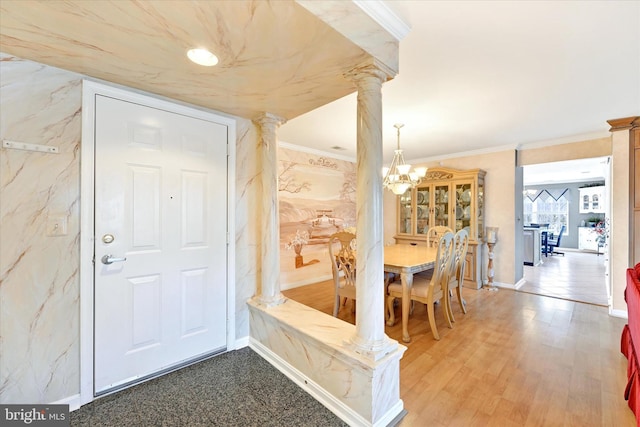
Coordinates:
(311, 348)
(264, 301)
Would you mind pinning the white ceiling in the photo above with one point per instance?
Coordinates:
(475, 75)
(568, 171)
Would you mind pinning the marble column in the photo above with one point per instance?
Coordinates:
(370, 338)
(268, 292)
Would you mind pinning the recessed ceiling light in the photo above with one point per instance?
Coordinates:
(202, 57)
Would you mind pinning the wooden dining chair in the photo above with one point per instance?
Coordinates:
(456, 276)
(343, 267)
(429, 291)
(434, 233)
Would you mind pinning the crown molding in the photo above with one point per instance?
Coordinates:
(624, 123)
(565, 140)
(509, 147)
(383, 15)
(468, 153)
(317, 152)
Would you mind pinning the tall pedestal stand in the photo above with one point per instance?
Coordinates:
(490, 273)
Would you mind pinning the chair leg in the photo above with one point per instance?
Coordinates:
(461, 301)
(448, 308)
(448, 313)
(432, 321)
(336, 305)
(391, 319)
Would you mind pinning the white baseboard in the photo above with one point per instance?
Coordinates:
(329, 401)
(504, 285)
(241, 343)
(519, 284)
(72, 401)
(619, 313)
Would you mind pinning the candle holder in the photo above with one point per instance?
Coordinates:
(491, 239)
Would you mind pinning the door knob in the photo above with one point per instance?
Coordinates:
(109, 259)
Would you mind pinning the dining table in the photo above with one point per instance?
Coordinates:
(407, 260)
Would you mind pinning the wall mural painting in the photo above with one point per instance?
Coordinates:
(317, 197)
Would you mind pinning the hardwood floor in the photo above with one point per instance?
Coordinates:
(576, 276)
(515, 359)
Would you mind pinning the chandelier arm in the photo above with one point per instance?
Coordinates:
(399, 177)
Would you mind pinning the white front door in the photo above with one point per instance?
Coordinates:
(160, 240)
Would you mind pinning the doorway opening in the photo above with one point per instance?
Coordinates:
(574, 194)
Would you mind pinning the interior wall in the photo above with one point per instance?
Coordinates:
(619, 244)
(501, 188)
(39, 273)
(570, 239)
(587, 149)
(247, 236)
(499, 203)
(316, 197)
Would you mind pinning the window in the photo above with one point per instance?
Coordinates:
(547, 210)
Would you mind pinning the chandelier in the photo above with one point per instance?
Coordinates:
(398, 178)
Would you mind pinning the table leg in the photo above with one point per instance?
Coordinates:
(407, 283)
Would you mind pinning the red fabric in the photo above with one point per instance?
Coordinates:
(631, 338)
(625, 342)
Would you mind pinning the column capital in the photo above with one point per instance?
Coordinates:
(370, 68)
(269, 119)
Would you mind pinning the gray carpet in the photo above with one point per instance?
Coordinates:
(238, 388)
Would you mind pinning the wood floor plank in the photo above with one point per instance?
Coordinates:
(515, 359)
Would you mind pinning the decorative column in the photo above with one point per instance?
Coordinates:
(370, 338)
(268, 292)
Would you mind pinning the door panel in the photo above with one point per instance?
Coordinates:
(161, 178)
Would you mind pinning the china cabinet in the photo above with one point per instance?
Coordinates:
(592, 200)
(448, 197)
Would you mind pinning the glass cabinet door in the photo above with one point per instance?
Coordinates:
(463, 207)
(422, 210)
(404, 215)
(441, 205)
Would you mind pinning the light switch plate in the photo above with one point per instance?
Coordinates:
(57, 225)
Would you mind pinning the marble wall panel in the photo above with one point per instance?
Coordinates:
(39, 280)
(248, 185)
(39, 273)
(317, 346)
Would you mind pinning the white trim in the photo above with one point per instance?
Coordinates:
(514, 146)
(315, 151)
(242, 342)
(72, 401)
(565, 140)
(383, 15)
(504, 285)
(87, 148)
(470, 153)
(520, 283)
(329, 401)
(89, 90)
(618, 313)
